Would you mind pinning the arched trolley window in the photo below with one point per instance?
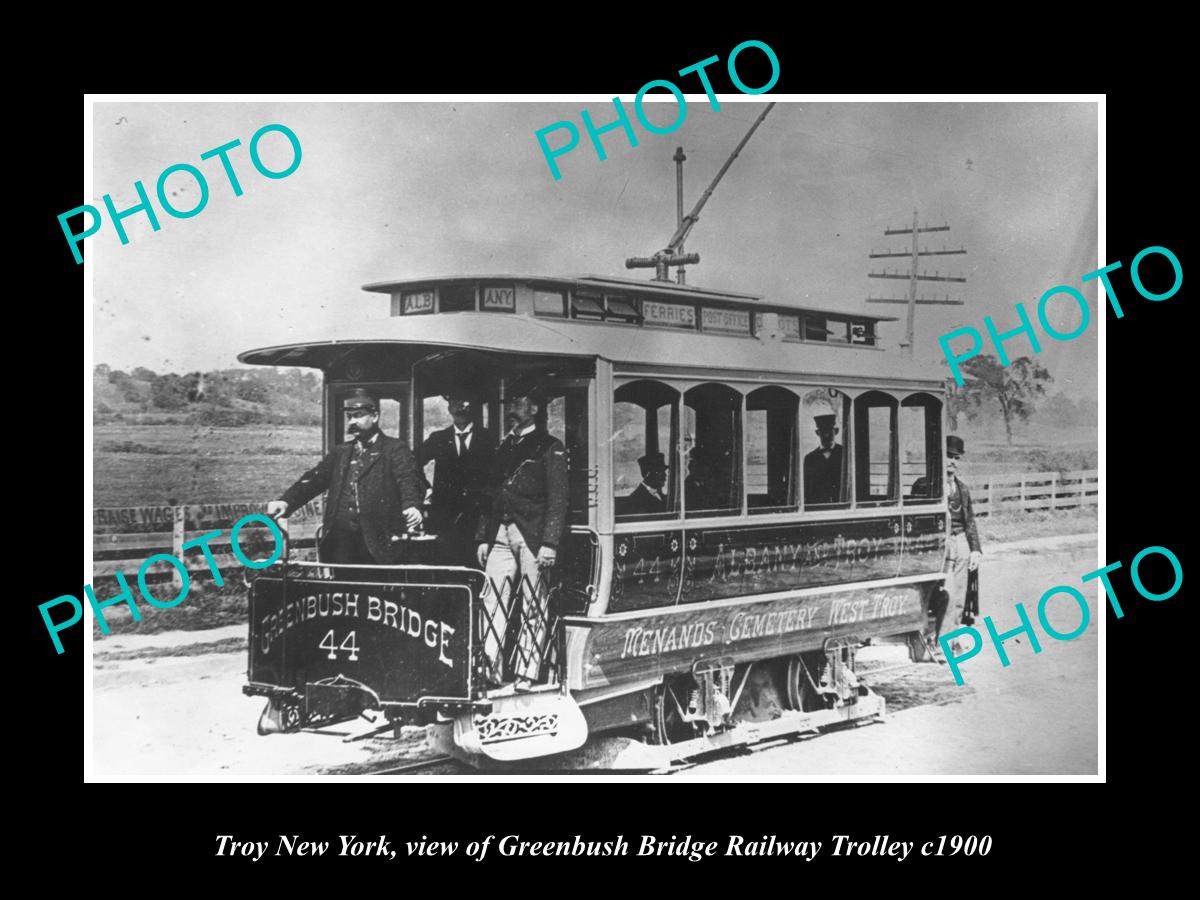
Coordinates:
(712, 438)
(921, 449)
(645, 439)
(771, 444)
(824, 432)
(876, 475)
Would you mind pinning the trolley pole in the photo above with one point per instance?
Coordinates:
(673, 255)
(679, 158)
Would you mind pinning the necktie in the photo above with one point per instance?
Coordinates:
(462, 441)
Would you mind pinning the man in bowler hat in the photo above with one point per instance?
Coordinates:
(462, 460)
(374, 491)
(519, 535)
(963, 551)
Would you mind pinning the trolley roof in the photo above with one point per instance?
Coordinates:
(637, 325)
(627, 286)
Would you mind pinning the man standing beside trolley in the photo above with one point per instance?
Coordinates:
(374, 491)
(519, 536)
(963, 551)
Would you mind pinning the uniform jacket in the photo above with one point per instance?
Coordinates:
(530, 477)
(388, 484)
(460, 483)
(969, 516)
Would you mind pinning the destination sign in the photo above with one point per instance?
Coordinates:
(730, 321)
(670, 315)
(417, 303)
(499, 298)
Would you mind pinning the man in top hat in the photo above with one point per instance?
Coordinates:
(823, 466)
(648, 497)
(963, 551)
(462, 461)
(374, 491)
(519, 535)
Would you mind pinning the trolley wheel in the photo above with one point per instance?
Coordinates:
(800, 693)
(670, 698)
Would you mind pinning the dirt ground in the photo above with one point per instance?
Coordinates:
(169, 706)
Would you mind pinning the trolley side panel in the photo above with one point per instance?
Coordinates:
(745, 559)
(650, 646)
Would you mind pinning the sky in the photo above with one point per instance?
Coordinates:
(388, 191)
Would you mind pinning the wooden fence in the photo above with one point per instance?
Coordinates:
(1018, 492)
(117, 545)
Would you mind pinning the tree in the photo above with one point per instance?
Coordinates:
(141, 373)
(169, 391)
(1014, 388)
(1059, 409)
(252, 389)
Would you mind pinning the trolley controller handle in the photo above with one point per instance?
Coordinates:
(281, 520)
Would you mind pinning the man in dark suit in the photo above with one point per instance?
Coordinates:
(462, 460)
(519, 535)
(648, 497)
(700, 491)
(963, 550)
(374, 491)
(823, 466)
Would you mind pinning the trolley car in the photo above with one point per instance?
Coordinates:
(802, 515)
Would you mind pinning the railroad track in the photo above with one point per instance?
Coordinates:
(418, 765)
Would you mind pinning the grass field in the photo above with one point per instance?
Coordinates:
(138, 465)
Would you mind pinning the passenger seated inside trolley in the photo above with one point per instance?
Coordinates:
(648, 497)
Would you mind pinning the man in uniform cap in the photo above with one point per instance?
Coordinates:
(374, 490)
(519, 535)
(963, 551)
(648, 497)
(462, 461)
(823, 466)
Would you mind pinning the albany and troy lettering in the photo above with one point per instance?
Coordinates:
(352, 604)
(734, 562)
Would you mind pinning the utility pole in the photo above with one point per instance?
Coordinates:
(913, 276)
